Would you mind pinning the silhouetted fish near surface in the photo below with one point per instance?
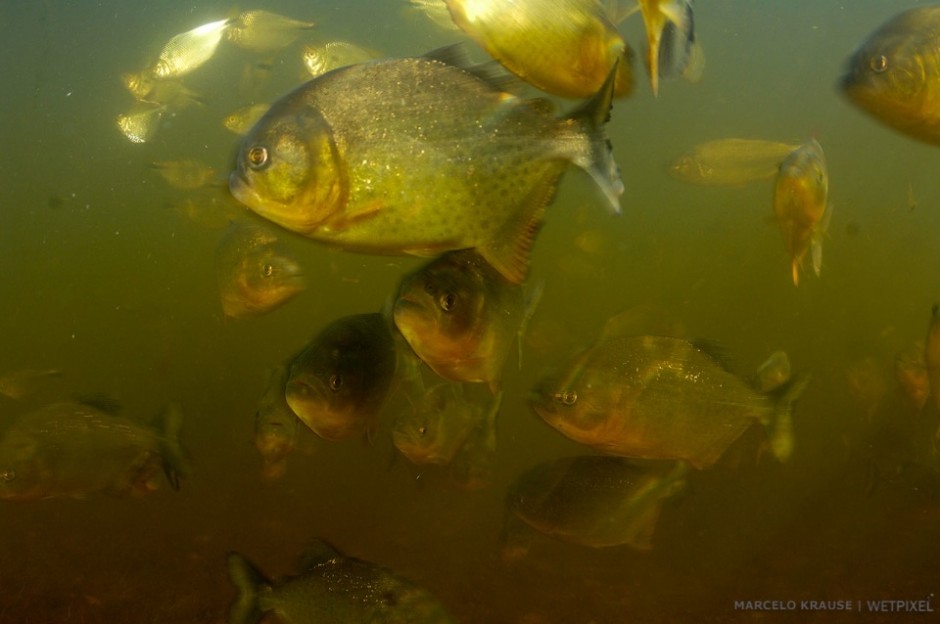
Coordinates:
(419, 156)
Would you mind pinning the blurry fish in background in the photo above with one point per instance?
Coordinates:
(437, 425)
(658, 397)
(255, 272)
(436, 11)
(730, 162)
(644, 319)
(338, 384)
(419, 157)
(140, 123)
(265, 32)
(319, 59)
(254, 78)
(910, 371)
(208, 209)
(331, 587)
(773, 373)
(474, 466)
(461, 317)
(21, 383)
(186, 174)
(801, 203)
(894, 77)
(171, 93)
(867, 379)
(74, 449)
(932, 356)
(275, 426)
(563, 47)
(188, 51)
(594, 501)
(241, 120)
(671, 47)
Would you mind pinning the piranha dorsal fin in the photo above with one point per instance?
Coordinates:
(318, 552)
(491, 73)
(101, 401)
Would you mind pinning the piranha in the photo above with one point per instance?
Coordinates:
(658, 397)
(801, 204)
(419, 156)
(894, 74)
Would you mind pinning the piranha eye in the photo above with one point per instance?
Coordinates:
(422, 430)
(448, 301)
(257, 157)
(336, 382)
(8, 475)
(878, 63)
(267, 270)
(568, 397)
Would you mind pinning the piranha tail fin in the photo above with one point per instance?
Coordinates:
(600, 163)
(781, 423)
(247, 581)
(175, 464)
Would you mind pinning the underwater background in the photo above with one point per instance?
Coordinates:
(107, 280)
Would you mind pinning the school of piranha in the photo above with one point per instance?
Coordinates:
(437, 157)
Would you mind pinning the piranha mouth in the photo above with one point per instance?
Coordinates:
(241, 190)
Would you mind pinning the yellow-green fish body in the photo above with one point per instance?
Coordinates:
(656, 397)
(563, 47)
(240, 121)
(418, 156)
(256, 274)
(339, 383)
(801, 205)
(319, 59)
(592, 500)
(729, 162)
(263, 31)
(188, 51)
(894, 75)
(141, 122)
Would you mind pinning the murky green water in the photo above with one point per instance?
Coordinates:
(104, 280)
